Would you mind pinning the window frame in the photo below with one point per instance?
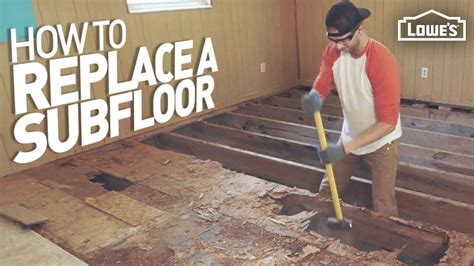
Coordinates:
(145, 6)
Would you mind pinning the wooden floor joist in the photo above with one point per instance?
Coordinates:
(412, 205)
(438, 159)
(462, 118)
(257, 117)
(335, 121)
(408, 122)
(274, 139)
(414, 177)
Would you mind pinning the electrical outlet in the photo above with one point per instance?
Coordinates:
(424, 72)
(263, 67)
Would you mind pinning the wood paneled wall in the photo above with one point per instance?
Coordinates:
(451, 71)
(245, 33)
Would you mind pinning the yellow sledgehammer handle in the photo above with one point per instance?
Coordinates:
(329, 171)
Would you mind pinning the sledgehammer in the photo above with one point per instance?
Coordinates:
(338, 222)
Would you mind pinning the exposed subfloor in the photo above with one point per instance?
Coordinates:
(131, 203)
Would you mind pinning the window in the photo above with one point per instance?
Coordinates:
(141, 6)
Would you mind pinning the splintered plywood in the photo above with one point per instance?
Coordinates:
(21, 214)
(124, 208)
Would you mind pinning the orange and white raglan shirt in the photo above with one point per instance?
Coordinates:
(369, 90)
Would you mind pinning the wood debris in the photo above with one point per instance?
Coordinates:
(207, 214)
(298, 222)
(338, 249)
(277, 221)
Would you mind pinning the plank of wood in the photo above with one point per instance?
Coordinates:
(399, 6)
(413, 136)
(409, 57)
(419, 137)
(410, 176)
(5, 163)
(290, 43)
(22, 215)
(405, 109)
(124, 208)
(414, 205)
(292, 131)
(413, 154)
(467, 93)
(408, 122)
(301, 176)
(253, 142)
(459, 57)
(389, 31)
(424, 58)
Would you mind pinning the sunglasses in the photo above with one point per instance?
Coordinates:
(336, 37)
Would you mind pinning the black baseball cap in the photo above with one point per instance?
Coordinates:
(345, 17)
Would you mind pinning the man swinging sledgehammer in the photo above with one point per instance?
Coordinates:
(366, 76)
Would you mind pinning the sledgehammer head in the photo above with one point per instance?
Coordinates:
(334, 223)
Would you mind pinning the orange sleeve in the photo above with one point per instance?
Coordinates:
(324, 82)
(384, 76)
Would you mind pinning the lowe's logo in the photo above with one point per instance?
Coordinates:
(432, 26)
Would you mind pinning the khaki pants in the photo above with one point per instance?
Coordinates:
(383, 163)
